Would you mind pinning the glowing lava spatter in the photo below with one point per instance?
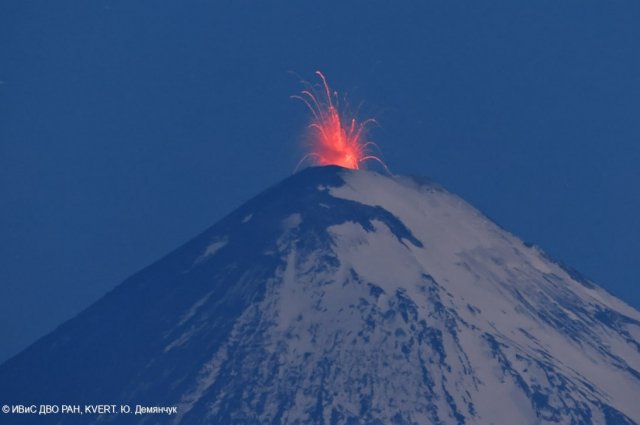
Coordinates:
(333, 141)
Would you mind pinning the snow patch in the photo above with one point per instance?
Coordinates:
(212, 249)
(291, 222)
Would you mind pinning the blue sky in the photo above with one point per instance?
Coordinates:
(130, 126)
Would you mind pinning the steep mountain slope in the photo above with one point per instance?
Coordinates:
(345, 296)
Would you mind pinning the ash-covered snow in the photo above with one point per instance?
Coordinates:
(344, 297)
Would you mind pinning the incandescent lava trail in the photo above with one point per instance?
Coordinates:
(334, 138)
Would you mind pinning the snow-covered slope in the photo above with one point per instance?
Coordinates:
(347, 297)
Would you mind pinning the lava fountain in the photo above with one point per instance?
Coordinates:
(335, 139)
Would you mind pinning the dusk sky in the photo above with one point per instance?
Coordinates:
(128, 127)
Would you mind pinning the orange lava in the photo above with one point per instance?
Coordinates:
(333, 141)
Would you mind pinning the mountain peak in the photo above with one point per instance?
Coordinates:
(342, 296)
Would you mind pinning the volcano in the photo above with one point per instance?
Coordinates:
(344, 297)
